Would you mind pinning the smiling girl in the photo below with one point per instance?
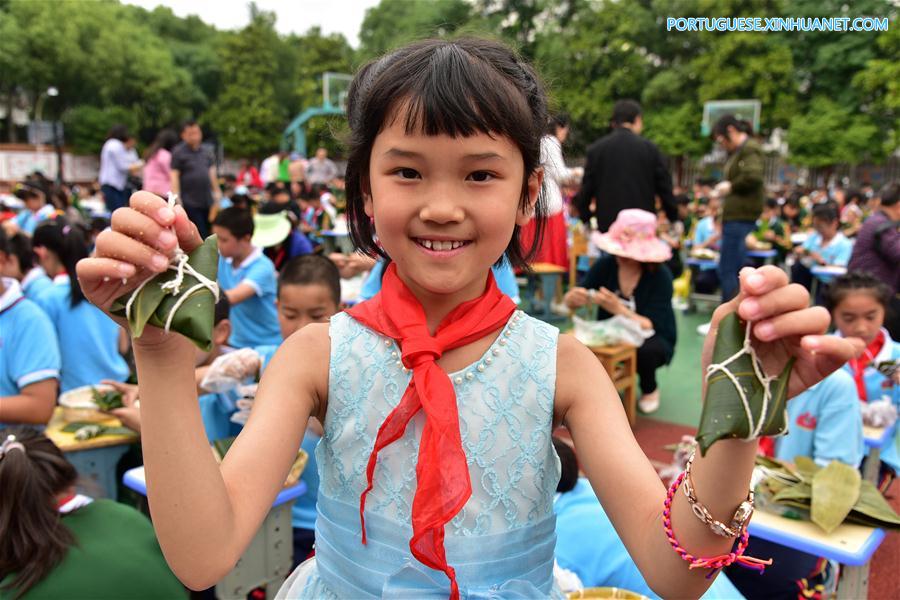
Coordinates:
(437, 396)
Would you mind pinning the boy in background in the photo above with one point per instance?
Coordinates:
(247, 277)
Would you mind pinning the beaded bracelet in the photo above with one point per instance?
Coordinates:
(738, 521)
(714, 563)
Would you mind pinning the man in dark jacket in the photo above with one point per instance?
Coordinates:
(744, 190)
(624, 170)
(877, 250)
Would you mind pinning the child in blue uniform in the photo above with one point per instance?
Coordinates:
(309, 291)
(88, 341)
(858, 302)
(248, 278)
(437, 397)
(36, 209)
(21, 267)
(29, 354)
(826, 246)
(825, 424)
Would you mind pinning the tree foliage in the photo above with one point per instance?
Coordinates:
(837, 93)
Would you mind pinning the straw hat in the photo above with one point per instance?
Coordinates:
(633, 235)
(270, 230)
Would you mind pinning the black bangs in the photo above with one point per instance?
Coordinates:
(459, 95)
(457, 88)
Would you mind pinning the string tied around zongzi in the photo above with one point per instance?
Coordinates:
(179, 263)
(765, 380)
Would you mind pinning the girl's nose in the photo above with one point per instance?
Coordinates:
(441, 208)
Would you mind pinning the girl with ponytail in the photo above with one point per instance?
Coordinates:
(55, 543)
(89, 342)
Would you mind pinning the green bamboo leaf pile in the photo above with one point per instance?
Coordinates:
(194, 318)
(724, 415)
(828, 496)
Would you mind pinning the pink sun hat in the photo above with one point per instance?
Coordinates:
(633, 235)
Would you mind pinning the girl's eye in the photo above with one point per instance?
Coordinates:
(406, 173)
(481, 176)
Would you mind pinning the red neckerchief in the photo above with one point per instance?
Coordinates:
(858, 365)
(65, 500)
(442, 475)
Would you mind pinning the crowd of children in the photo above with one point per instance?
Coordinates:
(427, 409)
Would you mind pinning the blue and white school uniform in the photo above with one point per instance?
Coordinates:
(29, 352)
(28, 221)
(254, 322)
(88, 339)
(35, 282)
(588, 545)
(879, 387)
(303, 514)
(704, 230)
(216, 410)
(836, 253)
(824, 423)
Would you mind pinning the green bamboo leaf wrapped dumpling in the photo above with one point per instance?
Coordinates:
(746, 413)
(154, 302)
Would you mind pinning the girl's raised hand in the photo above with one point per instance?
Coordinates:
(784, 325)
(137, 246)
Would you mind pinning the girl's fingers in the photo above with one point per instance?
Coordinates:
(100, 269)
(141, 227)
(756, 282)
(188, 236)
(120, 247)
(839, 349)
(779, 301)
(153, 206)
(808, 321)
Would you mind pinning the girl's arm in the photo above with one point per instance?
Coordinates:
(204, 515)
(625, 482)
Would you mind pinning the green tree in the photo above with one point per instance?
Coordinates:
(828, 134)
(879, 88)
(246, 114)
(396, 22)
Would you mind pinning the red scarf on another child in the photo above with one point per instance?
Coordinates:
(442, 474)
(858, 365)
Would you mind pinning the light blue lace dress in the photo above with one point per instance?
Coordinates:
(501, 544)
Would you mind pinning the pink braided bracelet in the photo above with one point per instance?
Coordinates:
(713, 563)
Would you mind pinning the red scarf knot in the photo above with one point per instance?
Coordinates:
(443, 485)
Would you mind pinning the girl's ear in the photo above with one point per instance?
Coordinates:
(365, 188)
(526, 212)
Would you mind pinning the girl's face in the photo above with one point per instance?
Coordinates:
(445, 207)
(860, 315)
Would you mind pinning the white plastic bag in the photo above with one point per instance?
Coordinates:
(231, 369)
(610, 332)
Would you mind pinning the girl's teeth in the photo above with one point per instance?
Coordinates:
(440, 246)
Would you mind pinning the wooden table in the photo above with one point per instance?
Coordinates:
(851, 545)
(94, 459)
(620, 363)
(267, 560)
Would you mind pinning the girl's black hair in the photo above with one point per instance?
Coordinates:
(33, 539)
(165, 140)
(857, 281)
(19, 246)
(457, 88)
(568, 466)
(69, 244)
